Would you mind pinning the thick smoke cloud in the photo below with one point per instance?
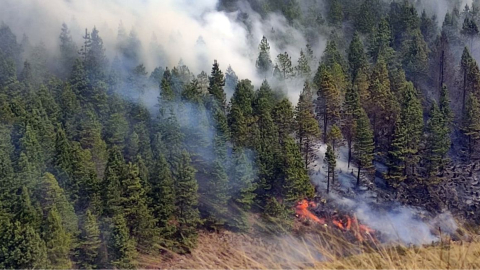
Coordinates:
(176, 25)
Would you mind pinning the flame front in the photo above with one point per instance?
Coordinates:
(302, 211)
(347, 224)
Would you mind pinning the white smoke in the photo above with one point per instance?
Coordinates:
(176, 24)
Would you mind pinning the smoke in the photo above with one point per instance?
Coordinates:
(176, 25)
(400, 224)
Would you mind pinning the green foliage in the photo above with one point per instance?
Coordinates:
(21, 247)
(89, 242)
(264, 63)
(471, 123)
(363, 147)
(121, 246)
(57, 241)
(331, 161)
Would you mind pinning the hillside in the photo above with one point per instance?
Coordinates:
(178, 133)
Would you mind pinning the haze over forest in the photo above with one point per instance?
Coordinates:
(129, 128)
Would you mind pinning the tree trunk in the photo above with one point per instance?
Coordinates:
(358, 175)
(464, 89)
(349, 153)
(328, 180)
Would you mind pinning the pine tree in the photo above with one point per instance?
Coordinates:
(357, 58)
(363, 147)
(471, 123)
(217, 82)
(21, 246)
(264, 63)
(307, 129)
(240, 115)
(122, 253)
(68, 51)
(57, 241)
(351, 110)
(368, 14)
(163, 200)
(334, 136)
(381, 41)
(415, 56)
(296, 183)
(437, 141)
(331, 161)
(186, 202)
(138, 216)
(403, 153)
(334, 12)
(470, 30)
(283, 117)
(284, 62)
(303, 68)
(111, 189)
(50, 195)
(89, 242)
(242, 191)
(328, 101)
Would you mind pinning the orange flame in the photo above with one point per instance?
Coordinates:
(302, 210)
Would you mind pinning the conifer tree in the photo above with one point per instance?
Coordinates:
(471, 123)
(21, 246)
(111, 189)
(357, 58)
(334, 12)
(163, 199)
(351, 110)
(68, 51)
(264, 63)
(284, 62)
(121, 246)
(328, 101)
(334, 137)
(138, 216)
(403, 153)
(437, 141)
(307, 129)
(363, 147)
(296, 183)
(303, 68)
(50, 195)
(57, 241)
(217, 82)
(89, 242)
(331, 161)
(186, 201)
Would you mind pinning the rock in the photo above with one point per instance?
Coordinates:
(469, 202)
(363, 188)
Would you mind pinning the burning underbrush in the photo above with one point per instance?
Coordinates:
(337, 222)
(358, 222)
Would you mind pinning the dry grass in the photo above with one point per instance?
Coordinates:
(317, 249)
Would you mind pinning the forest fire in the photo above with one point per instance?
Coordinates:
(344, 223)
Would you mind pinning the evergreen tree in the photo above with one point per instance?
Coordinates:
(186, 202)
(437, 141)
(403, 153)
(217, 82)
(122, 253)
(351, 110)
(328, 101)
(264, 62)
(21, 247)
(57, 241)
(357, 58)
(471, 123)
(334, 12)
(68, 51)
(163, 200)
(89, 242)
(307, 129)
(331, 161)
(284, 62)
(296, 183)
(363, 147)
(303, 68)
(368, 14)
(334, 137)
